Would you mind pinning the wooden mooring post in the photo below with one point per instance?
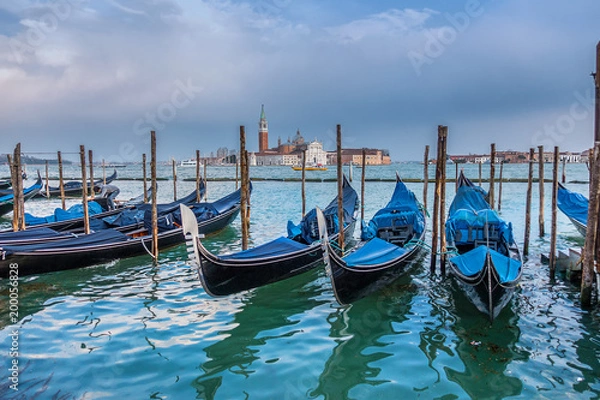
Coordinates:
(480, 166)
(491, 193)
(588, 270)
(425, 175)
(564, 175)
(91, 161)
(303, 182)
(500, 186)
(541, 186)
(144, 179)
(18, 195)
(61, 183)
(206, 178)
(552, 256)
(244, 181)
(47, 188)
(439, 204)
(443, 201)
(363, 175)
(528, 204)
(84, 193)
(340, 195)
(154, 196)
(103, 172)
(174, 163)
(198, 197)
(12, 163)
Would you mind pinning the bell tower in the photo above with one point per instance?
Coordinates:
(263, 131)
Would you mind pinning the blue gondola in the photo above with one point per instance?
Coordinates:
(484, 258)
(276, 260)
(6, 201)
(574, 206)
(110, 244)
(389, 245)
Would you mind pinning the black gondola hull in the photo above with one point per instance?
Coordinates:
(30, 263)
(222, 277)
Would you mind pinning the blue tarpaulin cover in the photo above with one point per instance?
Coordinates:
(375, 251)
(96, 238)
(402, 210)
(75, 211)
(31, 234)
(573, 205)
(472, 262)
(279, 246)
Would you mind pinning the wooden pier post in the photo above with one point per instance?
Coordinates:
(61, 183)
(86, 215)
(248, 205)
(18, 191)
(455, 177)
(597, 86)
(443, 200)
(436, 205)
(91, 161)
(243, 200)
(552, 257)
(303, 190)
(541, 185)
(564, 175)
(425, 176)
(340, 200)
(588, 269)
(144, 178)
(206, 178)
(198, 197)
(153, 189)
(491, 193)
(47, 188)
(480, 181)
(13, 179)
(528, 204)
(174, 163)
(103, 172)
(362, 184)
(237, 171)
(500, 186)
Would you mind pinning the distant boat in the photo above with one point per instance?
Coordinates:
(317, 167)
(188, 163)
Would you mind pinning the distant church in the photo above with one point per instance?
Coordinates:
(290, 152)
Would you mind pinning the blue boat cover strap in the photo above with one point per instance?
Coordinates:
(473, 262)
(277, 247)
(573, 205)
(375, 251)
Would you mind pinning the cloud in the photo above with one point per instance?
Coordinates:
(104, 65)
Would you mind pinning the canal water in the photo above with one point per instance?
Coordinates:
(128, 329)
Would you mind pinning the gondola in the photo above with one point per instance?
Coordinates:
(390, 244)
(6, 201)
(5, 184)
(276, 260)
(483, 255)
(574, 206)
(74, 188)
(110, 218)
(110, 244)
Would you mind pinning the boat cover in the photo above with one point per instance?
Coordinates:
(97, 238)
(573, 205)
(473, 262)
(402, 210)
(33, 233)
(375, 251)
(75, 211)
(277, 247)
(462, 226)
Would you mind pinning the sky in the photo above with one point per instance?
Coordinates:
(104, 73)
